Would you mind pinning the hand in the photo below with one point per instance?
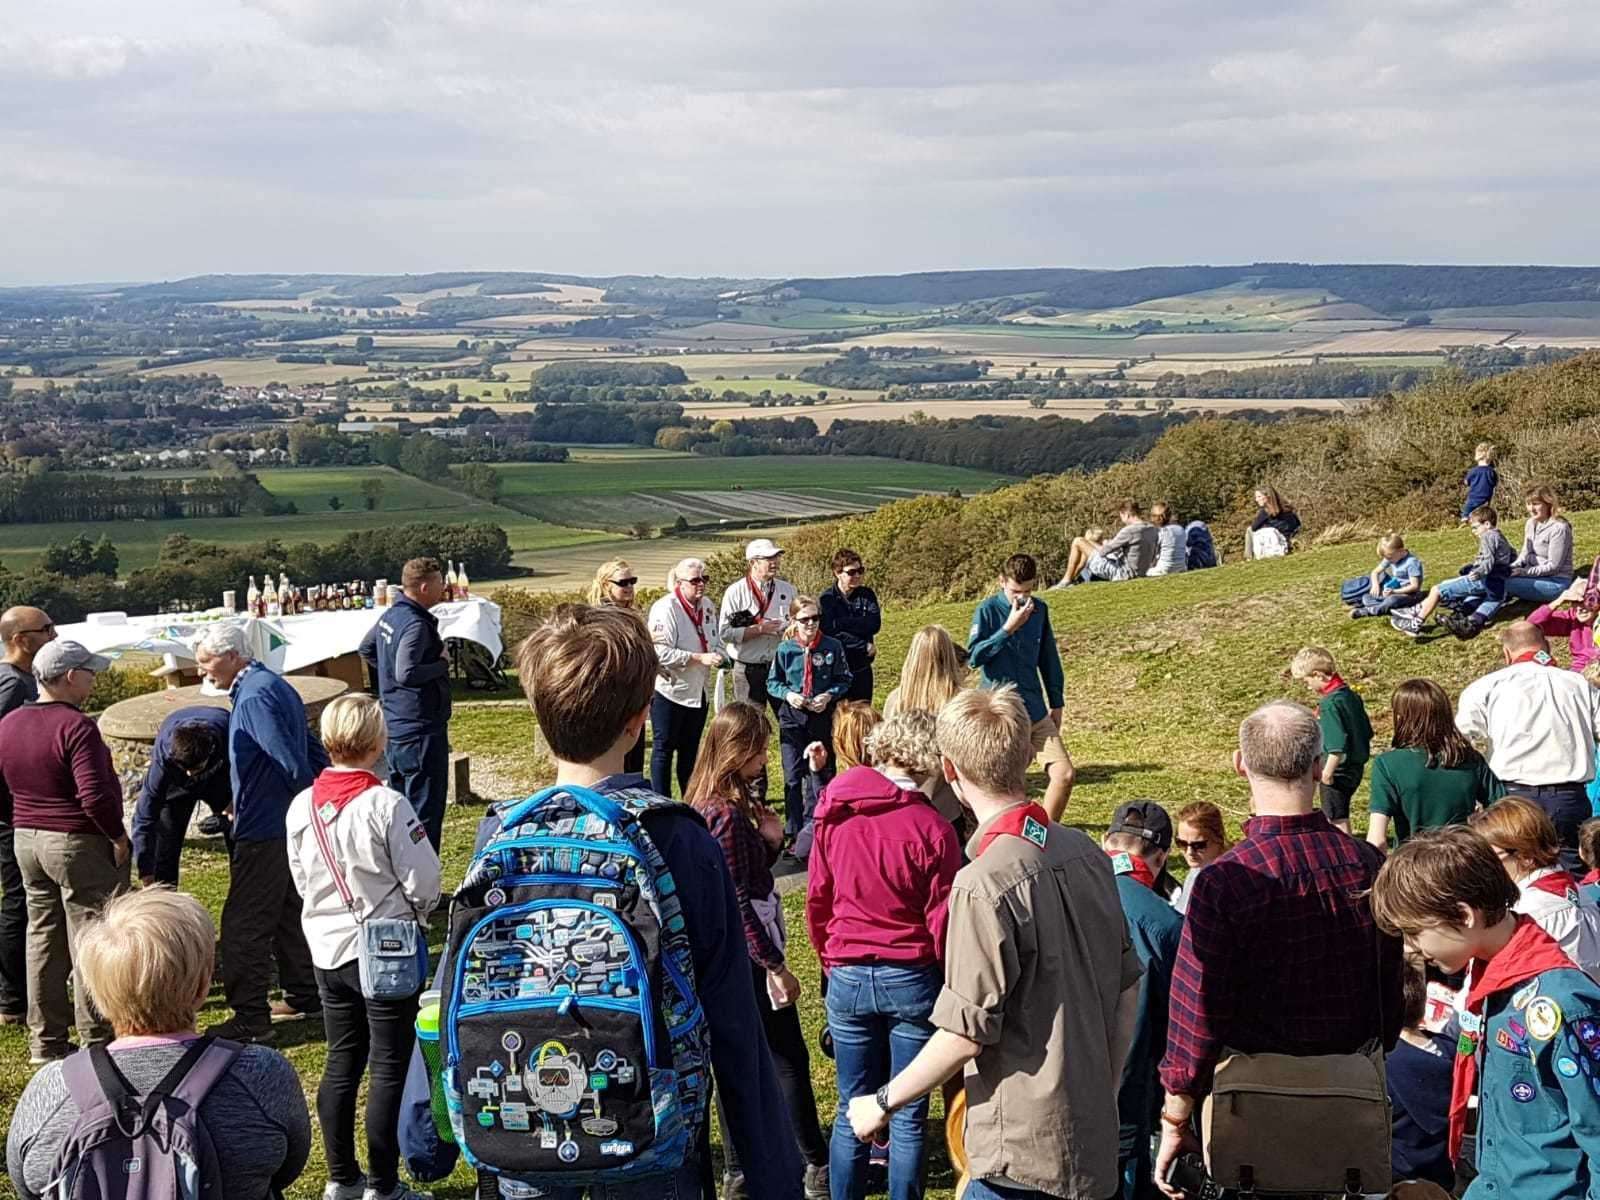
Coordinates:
(1019, 616)
(770, 826)
(820, 701)
(1055, 717)
(817, 756)
(771, 625)
(866, 1118)
(796, 700)
(147, 881)
(708, 659)
(121, 851)
(783, 987)
(1575, 590)
(872, 651)
(1175, 1142)
(228, 814)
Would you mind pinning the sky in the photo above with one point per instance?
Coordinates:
(153, 139)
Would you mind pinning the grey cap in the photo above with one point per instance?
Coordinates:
(56, 658)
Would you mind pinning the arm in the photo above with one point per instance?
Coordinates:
(1204, 986)
(99, 790)
(986, 637)
(1330, 767)
(1472, 711)
(842, 677)
(152, 795)
(1378, 830)
(1560, 552)
(778, 675)
(283, 1102)
(271, 730)
(1553, 623)
(757, 941)
(819, 892)
(1125, 537)
(411, 857)
(1126, 1025)
(1526, 556)
(368, 650)
(413, 664)
(667, 652)
(1260, 521)
(1055, 679)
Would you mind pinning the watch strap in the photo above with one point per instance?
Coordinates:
(881, 1097)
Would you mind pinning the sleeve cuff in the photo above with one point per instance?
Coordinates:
(955, 1015)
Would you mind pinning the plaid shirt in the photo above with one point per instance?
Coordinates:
(1280, 953)
(750, 862)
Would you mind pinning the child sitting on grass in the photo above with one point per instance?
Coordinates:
(1531, 1020)
(1572, 617)
(1346, 732)
(1396, 582)
(1477, 593)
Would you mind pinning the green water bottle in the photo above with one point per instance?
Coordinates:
(428, 1037)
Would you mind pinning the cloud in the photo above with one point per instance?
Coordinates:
(798, 136)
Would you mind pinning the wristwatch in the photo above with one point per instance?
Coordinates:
(881, 1099)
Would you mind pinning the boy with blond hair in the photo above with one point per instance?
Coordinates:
(1396, 582)
(1529, 1049)
(1346, 732)
(1482, 479)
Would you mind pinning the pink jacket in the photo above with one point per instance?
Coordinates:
(880, 872)
(1580, 637)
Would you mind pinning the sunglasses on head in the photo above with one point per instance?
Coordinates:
(854, 571)
(1196, 846)
(628, 582)
(697, 579)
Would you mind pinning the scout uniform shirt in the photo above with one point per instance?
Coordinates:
(1036, 956)
(1345, 730)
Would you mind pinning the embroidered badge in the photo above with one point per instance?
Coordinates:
(1522, 1091)
(1544, 1017)
(1506, 1042)
(1033, 831)
(328, 811)
(1567, 1067)
(1471, 1022)
(418, 832)
(1122, 864)
(1520, 1000)
(1516, 1028)
(1466, 1045)
(1588, 1031)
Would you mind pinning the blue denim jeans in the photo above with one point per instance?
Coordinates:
(993, 1189)
(878, 1016)
(1540, 589)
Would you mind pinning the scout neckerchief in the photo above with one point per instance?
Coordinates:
(1591, 877)
(1123, 863)
(1558, 883)
(1542, 657)
(1332, 686)
(1530, 952)
(807, 648)
(695, 615)
(1024, 821)
(763, 599)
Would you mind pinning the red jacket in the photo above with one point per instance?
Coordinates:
(880, 872)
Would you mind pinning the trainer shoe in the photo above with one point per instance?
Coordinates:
(282, 1011)
(235, 1030)
(40, 1058)
(345, 1191)
(734, 1187)
(400, 1192)
(1406, 622)
(817, 1182)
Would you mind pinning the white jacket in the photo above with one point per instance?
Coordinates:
(681, 679)
(744, 645)
(1572, 922)
(387, 862)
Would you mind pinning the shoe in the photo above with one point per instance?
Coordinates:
(40, 1058)
(1410, 625)
(13, 1018)
(212, 827)
(345, 1191)
(1464, 627)
(733, 1186)
(1357, 613)
(282, 1011)
(400, 1192)
(235, 1030)
(817, 1182)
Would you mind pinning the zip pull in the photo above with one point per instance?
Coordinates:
(569, 1008)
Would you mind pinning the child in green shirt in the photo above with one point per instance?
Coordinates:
(1346, 732)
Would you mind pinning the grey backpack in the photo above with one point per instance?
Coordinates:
(125, 1146)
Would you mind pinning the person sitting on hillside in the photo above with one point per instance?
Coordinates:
(1172, 551)
(1199, 548)
(1395, 582)
(1128, 555)
(1481, 480)
(1476, 594)
(1543, 570)
(1272, 532)
(1572, 616)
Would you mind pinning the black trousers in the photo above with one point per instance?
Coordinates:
(860, 684)
(374, 1036)
(1568, 807)
(260, 924)
(755, 676)
(419, 769)
(674, 731)
(786, 1040)
(633, 760)
(13, 930)
(171, 827)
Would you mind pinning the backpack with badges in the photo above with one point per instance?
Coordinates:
(575, 1049)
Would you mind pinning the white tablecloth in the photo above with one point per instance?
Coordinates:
(283, 643)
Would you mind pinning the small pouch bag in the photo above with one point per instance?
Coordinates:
(393, 957)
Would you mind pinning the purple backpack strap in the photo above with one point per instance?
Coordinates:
(203, 1076)
(77, 1072)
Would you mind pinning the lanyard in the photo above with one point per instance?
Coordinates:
(696, 616)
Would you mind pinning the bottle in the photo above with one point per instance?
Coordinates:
(252, 598)
(449, 581)
(463, 590)
(285, 596)
(367, 599)
(270, 598)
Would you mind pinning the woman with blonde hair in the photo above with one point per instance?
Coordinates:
(1272, 532)
(809, 676)
(1529, 848)
(147, 962)
(1172, 540)
(722, 790)
(931, 675)
(1543, 571)
(615, 586)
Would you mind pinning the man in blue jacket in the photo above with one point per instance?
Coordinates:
(272, 756)
(851, 616)
(188, 765)
(408, 658)
(1011, 642)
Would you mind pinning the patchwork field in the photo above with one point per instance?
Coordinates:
(1408, 341)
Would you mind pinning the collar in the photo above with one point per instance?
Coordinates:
(1123, 863)
(1294, 825)
(618, 782)
(238, 680)
(1542, 657)
(1024, 819)
(1332, 686)
(1591, 877)
(407, 600)
(901, 780)
(1557, 881)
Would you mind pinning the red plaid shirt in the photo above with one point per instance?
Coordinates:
(1281, 954)
(750, 862)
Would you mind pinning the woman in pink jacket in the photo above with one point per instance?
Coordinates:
(880, 873)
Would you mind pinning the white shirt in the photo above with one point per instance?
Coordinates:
(681, 679)
(1573, 923)
(1539, 723)
(745, 645)
(387, 862)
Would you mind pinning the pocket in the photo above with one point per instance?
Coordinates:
(844, 992)
(912, 992)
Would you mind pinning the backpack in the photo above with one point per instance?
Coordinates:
(1200, 551)
(124, 1146)
(575, 1048)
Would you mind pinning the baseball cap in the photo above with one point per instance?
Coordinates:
(763, 548)
(1146, 819)
(56, 658)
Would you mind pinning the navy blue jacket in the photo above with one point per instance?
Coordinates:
(406, 653)
(163, 782)
(1481, 483)
(853, 621)
(272, 755)
(1156, 929)
(1022, 658)
(829, 673)
(740, 1061)
(1419, 1094)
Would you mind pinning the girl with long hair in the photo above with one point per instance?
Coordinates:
(1272, 532)
(931, 675)
(1172, 556)
(722, 790)
(1432, 776)
(809, 676)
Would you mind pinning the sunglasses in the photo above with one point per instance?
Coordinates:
(697, 579)
(807, 620)
(41, 629)
(1195, 846)
(854, 571)
(629, 582)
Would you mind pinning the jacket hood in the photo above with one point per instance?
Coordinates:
(861, 791)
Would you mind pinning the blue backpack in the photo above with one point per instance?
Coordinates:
(1200, 551)
(575, 1048)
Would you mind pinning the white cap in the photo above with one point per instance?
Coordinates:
(763, 548)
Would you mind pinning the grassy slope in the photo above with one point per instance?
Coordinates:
(1159, 673)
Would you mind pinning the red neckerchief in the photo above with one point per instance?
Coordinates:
(695, 615)
(1332, 686)
(1558, 883)
(332, 790)
(763, 602)
(805, 686)
(1591, 877)
(1542, 657)
(1531, 951)
(1024, 821)
(1123, 863)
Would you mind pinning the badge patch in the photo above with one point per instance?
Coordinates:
(1033, 831)
(1567, 1067)
(1588, 1031)
(1466, 1045)
(1516, 1028)
(1506, 1042)
(1544, 1017)
(1522, 1091)
(1520, 1000)
(418, 832)
(1471, 1022)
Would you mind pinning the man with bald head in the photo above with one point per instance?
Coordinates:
(24, 630)
(1538, 724)
(1280, 953)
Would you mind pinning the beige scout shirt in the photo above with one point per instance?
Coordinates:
(1036, 957)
